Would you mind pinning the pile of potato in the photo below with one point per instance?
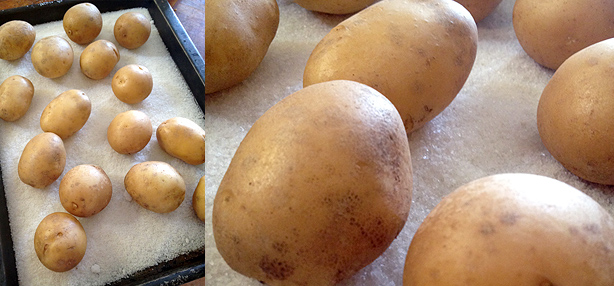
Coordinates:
(85, 190)
(321, 183)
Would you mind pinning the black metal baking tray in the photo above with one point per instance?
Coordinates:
(186, 267)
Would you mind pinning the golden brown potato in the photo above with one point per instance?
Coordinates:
(182, 138)
(85, 190)
(132, 30)
(42, 160)
(98, 59)
(416, 53)
(479, 9)
(16, 94)
(52, 57)
(82, 23)
(575, 114)
(60, 242)
(198, 199)
(129, 132)
(510, 230)
(16, 39)
(156, 186)
(237, 37)
(132, 83)
(318, 189)
(67, 113)
(550, 31)
(334, 6)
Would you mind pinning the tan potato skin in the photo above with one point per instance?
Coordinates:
(550, 31)
(198, 199)
(408, 50)
(237, 37)
(82, 23)
(334, 6)
(183, 139)
(16, 39)
(98, 59)
(513, 230)
(16, 93)
(60, 242)
(479, 9)
(67, 113)
(85, 190)
(132, 83)
(52, 57)
(132, 30)
(318, 189)
(42, 161)
(156, 186)
(575, 114)
(129, 132)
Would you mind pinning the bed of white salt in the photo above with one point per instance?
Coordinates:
(124, 237)
(489, 128)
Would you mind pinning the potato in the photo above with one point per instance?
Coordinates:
(334, 6)
(575, 114)
(129, 132)
(156, 186)
(42, 160)
(551, 31)
(85, 190)
(52, 57)
(67, 113)
(237, 37)
(82, 23)
(318, 189)
(416, 53)
(182, 138)
(16, 39)
(98, 59)
(16, 94)
(131, 30)
(132, 83)
(513, 229)
(60, 242)
(479, 9)
(198, 199)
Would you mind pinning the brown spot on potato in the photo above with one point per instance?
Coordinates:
(592, 228)
(487, 228)
(275, 268)
(508, 218)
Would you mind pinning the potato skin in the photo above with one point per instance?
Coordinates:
(479, 9)
(318, 189)
(182, 138)
(85, 190)
(60, 242)
(98, 59)
(198, 199)
(16, 39)
(82, 23)
(513, 229)
(416, 53)
(42, 160)
(237, 37)
(16, 93)
(334, 6)
(132, 30)
(156, 186)
(132, 83)
(67, 113)
(129, 132)
(52, 56)
(575, 114)
(550, 31)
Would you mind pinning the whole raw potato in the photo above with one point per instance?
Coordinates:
(334, 6)
(85, 190)
(132, 83)
(129, 132)
(16, 94)
(416, 53)
(237, 37)
(550, 31)
(82, 23)
(67, 113)
(42, 160)
(156, 186)
(98, 59)
(131, 30)
(16, 39)
(198, 199)
(510, 230)
(60, 242)
(52, 56)
(575, 114)
(479, 9)
(318, 189)
(182, 138)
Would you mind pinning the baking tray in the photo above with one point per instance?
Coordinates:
(186, 267)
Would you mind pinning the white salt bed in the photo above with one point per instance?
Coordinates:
(489, 128)
(124, 237)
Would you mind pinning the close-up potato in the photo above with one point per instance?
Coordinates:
(479, 9)
(16, 39)
(85, 190)
(416, 53)
(513, 229)
(198, 199)
(131, 30)
(334, 6)
(60, 242)
(318, 188)
(67, 113)
(82, 23)
(129, 132)
(156, 186)
(237, 37)
(16, 94)
(42, 161)
(182, 138)
(550, 31)
(98, 59)
(132, 83)
(575, 114)
(52, 56)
